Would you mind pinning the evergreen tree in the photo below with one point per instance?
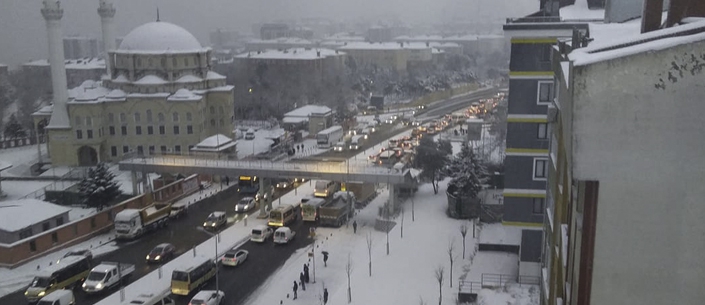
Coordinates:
(14, 129)
(99, 188)
(468, 172)
(431, 159)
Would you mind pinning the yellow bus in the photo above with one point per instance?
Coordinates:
(71, 270)
(283, 215)
(187, 281)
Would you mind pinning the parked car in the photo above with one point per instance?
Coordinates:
(78, 252)
(234, 257)
(161, 253)
(208, 297)
(245, 204)
(261, 233)
(215, 220)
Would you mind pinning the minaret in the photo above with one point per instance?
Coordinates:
(52, 13)
(107, 13)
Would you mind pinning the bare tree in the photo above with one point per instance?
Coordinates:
(368, 237)
(401, 229)
(464, 232)
(451, 257)
(440, 271)
(348, 270)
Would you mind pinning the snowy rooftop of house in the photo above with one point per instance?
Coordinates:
(381, 46)
(19, 214)
(215, 143)
(293, 54)
(189, 78)
(282, 40)
(93, 92)
(184, 94)
(437, 38)
(580, 11)
(160, 37)
(211, 75)
(344, 37)
(294, 120)
(307, 110)
(72, 64)
(151, 80)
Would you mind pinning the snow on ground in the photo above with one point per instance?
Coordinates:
(21, 159)
(16, 189)
(496, 233)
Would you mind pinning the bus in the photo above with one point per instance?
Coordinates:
(283, 215)
(309, 208)
(328, 137)
(325, 188)
(69, 272)
(248, 185)
(187, 281)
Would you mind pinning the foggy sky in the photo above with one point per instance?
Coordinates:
(23, 33)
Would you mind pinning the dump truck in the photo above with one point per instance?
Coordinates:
(337, 210)
(132, 223)
(364, 192)
(107, 275)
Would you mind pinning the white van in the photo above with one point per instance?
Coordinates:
(283, 235)
(153, 299)
(58, 297)
(250, 134)
(260, 233)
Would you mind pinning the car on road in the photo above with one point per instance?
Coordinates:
(208, 297)
(415, 123)
(215, 220)
(300, 180)
(161, 253)
(283, 183)
(78, 252)
(234, 257)
(245, 204)
(283, 235)
(261, 233)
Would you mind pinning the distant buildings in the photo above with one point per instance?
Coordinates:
(76, 47)
(273, 31)
(77, 71)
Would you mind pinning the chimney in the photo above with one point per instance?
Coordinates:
(52, 13)
(106, 11)
(401, 44)
(318, 53)
(428, 44)
(651, 15)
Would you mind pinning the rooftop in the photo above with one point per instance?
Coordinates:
(22, 213)
(293, 54)
(71, 64)
(381, 46)
(160, 37)
(307, 110)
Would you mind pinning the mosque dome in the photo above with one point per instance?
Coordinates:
(160, 37)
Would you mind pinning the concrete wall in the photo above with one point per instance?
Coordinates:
(639, 133)
(523, 96)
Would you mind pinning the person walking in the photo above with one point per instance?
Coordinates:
(306, 273)
(325, 295)
(325, 258)
(355, 227)
(302, 279)
(296, 288)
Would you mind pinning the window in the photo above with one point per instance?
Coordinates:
(89, 121)
(45, 226)
(149, 115)
(163, 62)
(150, 130)
(212, 110)
(175, 116)
(75, 230)
(160, 117)
(125, 149)
(222, 123)
(138, 130)
(545, 92)
(123, 130)
(149, 61)
(89, 133)
(111, 117)
(111, 130)
(162, 130)
(32, 246)
(538, 206)
(189, 129)
(25, 233)
(140, 150)
(173, 62)
(542, 131)
(139, 62)
(93, 222)
(59, 221)
(54, 238)
(190, 147)
(162, 149)
(113, 151)
(123, 118)
(186, 61)
(212, 122)
(151, 149)
(540, 168)
(100, 132)
(545, 53)
(177, 149)
(176, 129)
(79, 134)
(138, 118)
(188, 116)
(79, 121)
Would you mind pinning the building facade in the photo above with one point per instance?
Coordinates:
(76, 47)
(77, 71)
(161, 97)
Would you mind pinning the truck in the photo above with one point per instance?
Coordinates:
(337, 210)
(364, 192)
(132, 223)
(107, 275)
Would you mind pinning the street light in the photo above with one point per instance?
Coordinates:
(217, 240)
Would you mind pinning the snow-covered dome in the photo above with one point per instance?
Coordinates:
(116, 94)
(160, 36)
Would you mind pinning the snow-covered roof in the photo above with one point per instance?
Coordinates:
(150, 80)
(381, 46)
(211, 75)
(116, 94)
(160, 37)
(71, 64)
(22, 213)
(215, 141)
(294, 120)
(307, 110)
(293, 54)
(184, 94)
(189, 78)
(580, 10)
(121, 79)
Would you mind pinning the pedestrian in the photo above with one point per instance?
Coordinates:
(200, 187)
(296, 288)
(325, 295)
(355, 227)
(302, 280)
(306, 277)
(325, 259)
(227, 180)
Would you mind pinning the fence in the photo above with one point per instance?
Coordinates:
(493, 280)
(65, 181)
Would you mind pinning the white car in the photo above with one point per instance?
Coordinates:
(234, 257)
(208, 297)
(245, 204)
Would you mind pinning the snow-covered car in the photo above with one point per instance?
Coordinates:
(245, 204)
(234, 257)
(208, 297)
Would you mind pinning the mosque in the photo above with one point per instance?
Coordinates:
(158, 96)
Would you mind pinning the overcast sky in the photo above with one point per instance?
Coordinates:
(23, 34)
